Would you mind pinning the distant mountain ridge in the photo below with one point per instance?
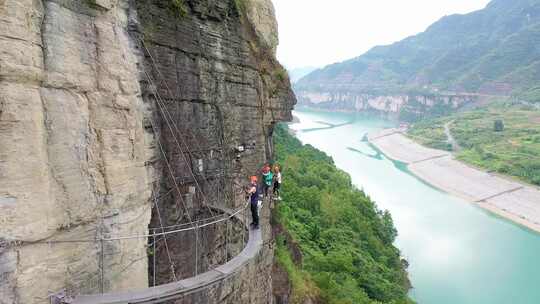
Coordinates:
(493, 51)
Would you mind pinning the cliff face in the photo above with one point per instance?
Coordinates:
(81, 129)
(216, 73)
(72, 152)
(399, 106)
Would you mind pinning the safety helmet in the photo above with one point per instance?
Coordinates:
(253, 179)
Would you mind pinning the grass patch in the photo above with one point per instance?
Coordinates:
(431, 133)
(179, 8)
(281, 74)
(240, 6)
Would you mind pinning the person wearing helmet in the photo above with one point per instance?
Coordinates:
(253, 192)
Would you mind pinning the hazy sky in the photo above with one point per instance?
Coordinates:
(320, 32)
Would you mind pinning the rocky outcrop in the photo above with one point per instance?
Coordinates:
(261, 15)
(80, 131)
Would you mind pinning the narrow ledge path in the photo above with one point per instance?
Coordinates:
(176, 290)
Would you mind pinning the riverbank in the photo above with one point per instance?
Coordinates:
(516, 201)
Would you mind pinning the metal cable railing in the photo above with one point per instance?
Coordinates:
(183, 288)
(113, 268)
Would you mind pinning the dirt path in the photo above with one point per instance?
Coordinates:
(451, 140)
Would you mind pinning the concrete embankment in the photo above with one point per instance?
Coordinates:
(513, 200)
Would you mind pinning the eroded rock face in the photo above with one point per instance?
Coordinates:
(395, 106)
(79, 158)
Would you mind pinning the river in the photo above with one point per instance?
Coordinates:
(458, 253)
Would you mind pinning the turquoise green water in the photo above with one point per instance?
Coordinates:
(458, 253)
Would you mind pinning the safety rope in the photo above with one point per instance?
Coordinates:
(170, 121)
(189, 164)
(143, 236)
(164, 238)
(223, 160)
(226, 195)
(177, 187)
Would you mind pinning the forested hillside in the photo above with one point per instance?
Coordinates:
(491, 51)
(346, 243)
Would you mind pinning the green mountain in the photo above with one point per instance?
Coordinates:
(493, 51)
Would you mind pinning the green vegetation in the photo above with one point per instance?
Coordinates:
(179, 8)
(492, 50)
(512, 148)
(346, 242)
(430, 132)
(281, 74)
(414, 110)
(240, 6)
(302, 285)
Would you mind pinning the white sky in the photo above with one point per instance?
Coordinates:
(320, 32)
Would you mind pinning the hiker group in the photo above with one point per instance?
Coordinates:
(271, 178)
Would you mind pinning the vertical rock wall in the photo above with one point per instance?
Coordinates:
(400, 106)
(79, 158)
(214, 71)
(72, 150)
